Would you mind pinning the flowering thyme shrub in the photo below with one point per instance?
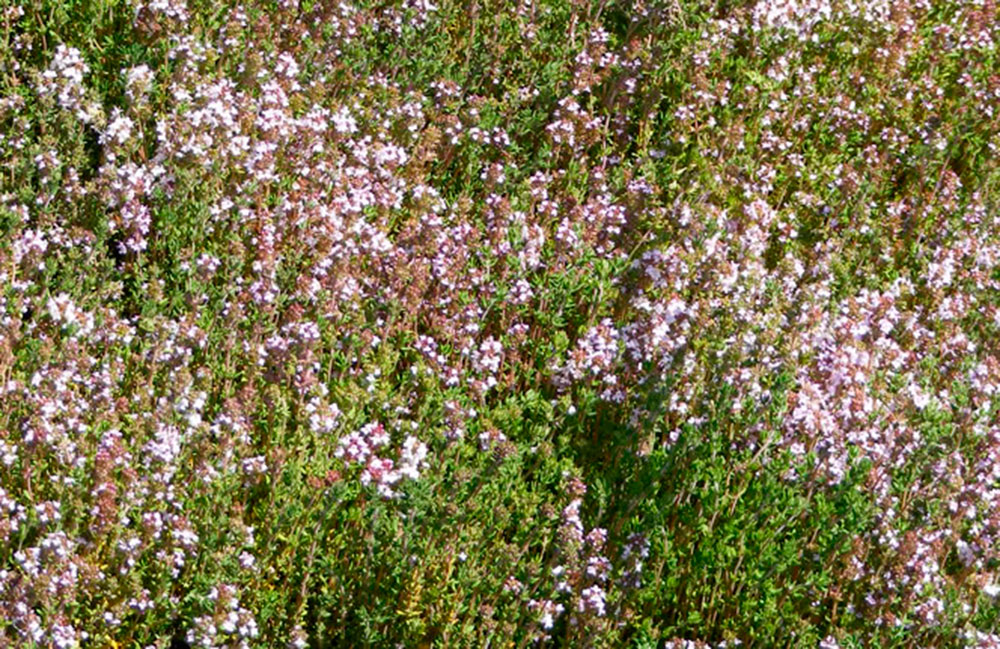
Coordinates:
(536, 323)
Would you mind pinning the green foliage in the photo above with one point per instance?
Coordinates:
(869, 153)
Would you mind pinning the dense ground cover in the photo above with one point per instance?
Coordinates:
(495, 323)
